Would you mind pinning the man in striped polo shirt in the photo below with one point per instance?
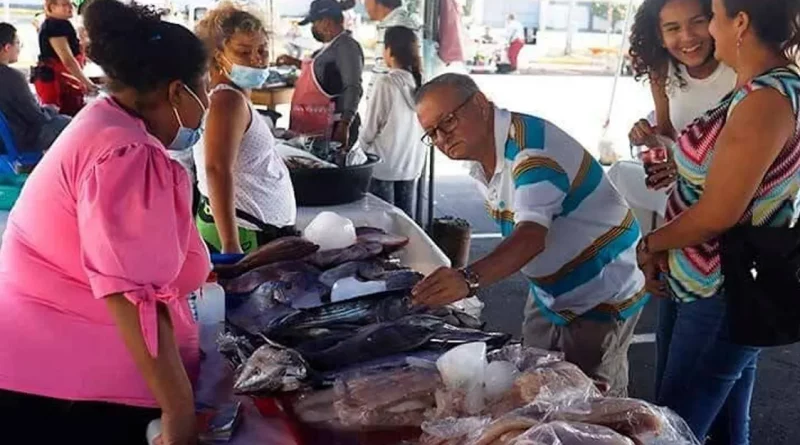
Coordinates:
(566, 228)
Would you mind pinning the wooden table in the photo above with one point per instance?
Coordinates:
(271, 97)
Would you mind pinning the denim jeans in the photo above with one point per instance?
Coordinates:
(401, 194)
(50, 131)
(700, 374)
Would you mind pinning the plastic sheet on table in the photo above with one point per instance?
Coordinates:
(385, 399)
(533, 394)
(647, 424)
(451, 431)
(568, 433)
(525, 358)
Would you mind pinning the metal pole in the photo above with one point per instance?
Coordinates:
(8, 11)
(430, 33)
(418, 215)
(431, 190)
(628, 15)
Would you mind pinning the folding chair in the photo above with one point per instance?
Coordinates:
(14, 162)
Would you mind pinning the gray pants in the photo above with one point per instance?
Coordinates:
(401, 194)
(600, 349)
(50, 131)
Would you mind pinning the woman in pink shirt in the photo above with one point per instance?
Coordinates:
(100, 253)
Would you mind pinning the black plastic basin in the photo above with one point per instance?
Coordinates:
(321, 187)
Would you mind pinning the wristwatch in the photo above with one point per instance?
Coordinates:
(472, 279)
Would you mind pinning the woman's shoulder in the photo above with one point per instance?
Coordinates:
(57, 27)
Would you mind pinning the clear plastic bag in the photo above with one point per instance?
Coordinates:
(499, 378)
(315, 407)
(330, 231)
(451, 430)
(525, 358)
(504, 429)
(464, 368)
(553, 384)
(570, 433)
(408, 413)
(386, 398)
(643, 422)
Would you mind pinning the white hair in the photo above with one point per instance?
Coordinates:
(461, 84)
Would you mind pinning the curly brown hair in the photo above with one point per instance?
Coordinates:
(650, 59)
(222, 22)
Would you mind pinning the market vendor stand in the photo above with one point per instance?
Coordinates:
(267, 421)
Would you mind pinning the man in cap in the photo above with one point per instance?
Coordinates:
(329, 89)
(566, 229)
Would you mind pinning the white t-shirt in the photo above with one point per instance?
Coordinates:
(262, 186)
(514, 31)
(391, 129)
(691, 101)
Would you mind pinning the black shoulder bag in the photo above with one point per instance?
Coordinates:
(761, 266)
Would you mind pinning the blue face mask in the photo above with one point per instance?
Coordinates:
(247, 77)
(186, 138)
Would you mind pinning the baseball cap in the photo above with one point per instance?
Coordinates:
(321, 9)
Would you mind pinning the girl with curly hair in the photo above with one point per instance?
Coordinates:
(672, 48)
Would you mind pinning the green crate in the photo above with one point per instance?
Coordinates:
(10, 188)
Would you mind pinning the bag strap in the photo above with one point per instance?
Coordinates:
(247, 217)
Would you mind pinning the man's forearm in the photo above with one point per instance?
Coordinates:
(525, 243)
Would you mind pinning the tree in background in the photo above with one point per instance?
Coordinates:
(613, 12)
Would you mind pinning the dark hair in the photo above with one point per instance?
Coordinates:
(222, 22)
(138, 50)
(404, 45)
(648, 56)
(7, 34)
(775, 22)
(391, 4)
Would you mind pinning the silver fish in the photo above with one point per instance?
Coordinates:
(385, 306)
(373, 341)
(271, 369)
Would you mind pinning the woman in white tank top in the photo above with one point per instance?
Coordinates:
(672, 48)
(247, 197)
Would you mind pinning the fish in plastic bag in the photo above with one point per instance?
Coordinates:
(643, 422)
(570, 433)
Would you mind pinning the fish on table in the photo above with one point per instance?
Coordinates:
(290, 248)
(361, 311)
(390, 242)
(359, 251)
(282, 271)
(370, 342)
(271, 369)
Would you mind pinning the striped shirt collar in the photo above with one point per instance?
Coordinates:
(502, 127)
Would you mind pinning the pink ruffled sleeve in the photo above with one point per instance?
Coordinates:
(135, 226)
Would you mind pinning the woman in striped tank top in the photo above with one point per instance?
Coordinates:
(738, 164)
